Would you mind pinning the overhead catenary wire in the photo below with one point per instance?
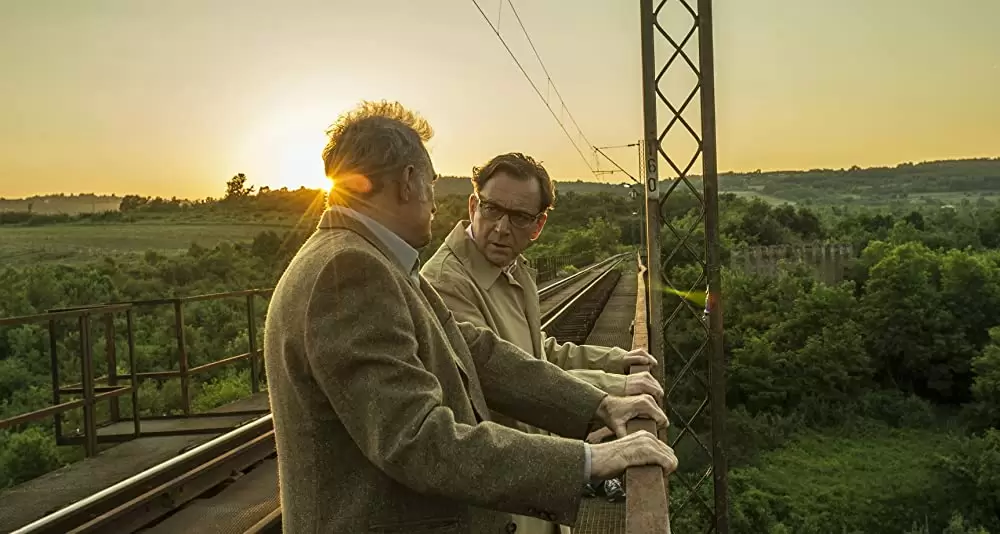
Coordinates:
(548, 77)
(615, 163)
(545, 101)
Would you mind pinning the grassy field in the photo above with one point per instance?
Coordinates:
(855, 199)
(75, 243)
(766, 198)
(875, 477)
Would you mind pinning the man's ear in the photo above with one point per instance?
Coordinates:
(473, 204)
(537, 230)
(407, 185)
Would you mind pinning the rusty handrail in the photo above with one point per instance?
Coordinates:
(88, 386)
(647, 505)
(64, 313)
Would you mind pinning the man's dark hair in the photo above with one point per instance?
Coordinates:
(519, 166)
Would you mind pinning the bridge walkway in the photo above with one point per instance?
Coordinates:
(27, 502)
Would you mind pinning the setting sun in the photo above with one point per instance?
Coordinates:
(285, 147)
(299, 164)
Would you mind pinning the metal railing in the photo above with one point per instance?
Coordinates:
(90, 392)
(546, 267)
(647, 506)
(94, 389)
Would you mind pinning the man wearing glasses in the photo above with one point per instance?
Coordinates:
(484, 280)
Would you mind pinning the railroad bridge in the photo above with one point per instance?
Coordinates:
(214, 470)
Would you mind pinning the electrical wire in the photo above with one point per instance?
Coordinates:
(535, 87)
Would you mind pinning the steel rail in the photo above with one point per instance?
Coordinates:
(80, 512)
(556, 285)
(566, 307)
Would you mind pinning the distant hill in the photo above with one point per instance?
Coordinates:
(68, 204)
(931, 182)
(459, 185)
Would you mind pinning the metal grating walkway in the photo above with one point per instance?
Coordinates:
(597, 516)
(36, 498)
(233, 510)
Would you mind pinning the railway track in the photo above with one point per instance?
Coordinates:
(151, 500)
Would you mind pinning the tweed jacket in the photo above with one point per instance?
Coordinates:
(380, 399)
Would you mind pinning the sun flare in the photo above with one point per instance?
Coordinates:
(299, 165)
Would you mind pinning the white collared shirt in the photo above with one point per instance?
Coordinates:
(406, 255)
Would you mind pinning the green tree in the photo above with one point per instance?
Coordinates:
(986, 381)
(236, 188)
(25, 455)
(915, 340)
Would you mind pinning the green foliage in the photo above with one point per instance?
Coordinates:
(956, 525)
(877, 481)
(866, 368)
(579, 247)
(928, 314)
(237, 188)
(60, 204)
(986, 384)
(973, 478)
(800, 341)
(223, 390)
(25, 455)
(756, 222)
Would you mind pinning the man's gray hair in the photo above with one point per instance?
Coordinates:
(371, 142)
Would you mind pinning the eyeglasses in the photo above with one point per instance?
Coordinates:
(495, 212)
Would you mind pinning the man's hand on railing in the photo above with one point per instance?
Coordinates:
(600, 435)
(633, 357)
(641, 448)
(615, 412)
(643, 383)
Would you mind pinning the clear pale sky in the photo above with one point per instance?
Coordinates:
(173, 97)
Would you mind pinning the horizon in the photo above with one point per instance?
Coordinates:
(163, 100)
(558, 180)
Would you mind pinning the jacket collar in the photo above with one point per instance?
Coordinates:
(385, 240)
(464, 248)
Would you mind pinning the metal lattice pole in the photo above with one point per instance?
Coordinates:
(682, 247)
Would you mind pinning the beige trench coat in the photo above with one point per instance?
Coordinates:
(507, 303)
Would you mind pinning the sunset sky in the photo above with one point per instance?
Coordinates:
(172, 98)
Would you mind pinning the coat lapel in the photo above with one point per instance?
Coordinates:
(440, 311)
(526, 277)
(461, 355)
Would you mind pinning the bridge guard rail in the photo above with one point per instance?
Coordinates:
(89, 392)
(108, 387)
(646, 507)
